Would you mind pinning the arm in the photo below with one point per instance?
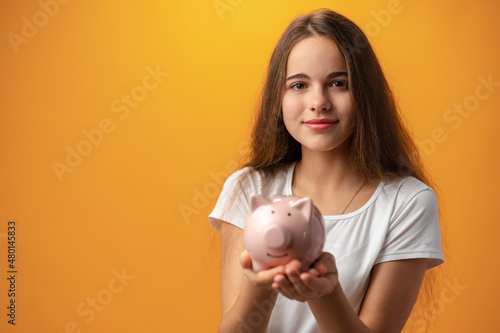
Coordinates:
(247, 299)
(392, 291)
(388, 301)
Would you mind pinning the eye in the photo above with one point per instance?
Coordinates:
(298, 86)
(339, 84)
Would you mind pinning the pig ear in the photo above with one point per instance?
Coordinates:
(257, 200)
(305, 205)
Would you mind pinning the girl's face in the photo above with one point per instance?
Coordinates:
(317, 104)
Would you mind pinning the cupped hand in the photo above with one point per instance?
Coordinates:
(316, 282)
(263, 278)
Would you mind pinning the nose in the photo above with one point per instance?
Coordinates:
(276, 237)
(320, 101)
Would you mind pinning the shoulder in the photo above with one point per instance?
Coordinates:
(249, 179)
(243, 178)
(412, 222)
(232, 205)
(408, 193)
(406, 188)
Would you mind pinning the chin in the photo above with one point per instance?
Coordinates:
(323, 148)
(319, 149)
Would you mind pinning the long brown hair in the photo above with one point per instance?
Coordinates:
(381, 146)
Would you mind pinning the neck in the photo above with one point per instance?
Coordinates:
(325, 172)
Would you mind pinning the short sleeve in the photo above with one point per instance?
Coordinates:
(232, 205)
(414, 231)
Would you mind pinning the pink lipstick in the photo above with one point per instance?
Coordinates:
(320, 124)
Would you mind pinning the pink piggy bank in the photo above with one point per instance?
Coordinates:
(281, 228)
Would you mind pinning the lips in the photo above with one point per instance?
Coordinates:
(320, 124)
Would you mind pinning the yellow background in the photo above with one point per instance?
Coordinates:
(120, 208)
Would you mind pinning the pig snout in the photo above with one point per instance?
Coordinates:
(276, 237)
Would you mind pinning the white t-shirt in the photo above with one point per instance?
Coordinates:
(399, 221)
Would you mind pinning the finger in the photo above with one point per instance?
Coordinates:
(263, 278)
(294, 265)
(280, 289)
(313, 272)
(286, 289)
(245, 260)
(326, 264)
(284, 285)
(294, 286)
(279, 282)
(296, 283)
(280, 278)
(321, 268)
(324, 284)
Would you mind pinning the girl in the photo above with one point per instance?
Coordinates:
(329, 129)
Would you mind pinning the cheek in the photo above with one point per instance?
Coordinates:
(291, 107)
(342, 100)
(345, 108)
(285, 105)
(291, 121)
(288, 122)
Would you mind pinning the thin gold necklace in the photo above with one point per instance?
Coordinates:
(359, 189)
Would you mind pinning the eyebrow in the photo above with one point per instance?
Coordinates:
(305, 76)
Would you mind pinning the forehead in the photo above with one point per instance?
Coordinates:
(315, 55)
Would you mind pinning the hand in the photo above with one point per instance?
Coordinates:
(315, 283)
(263, 278)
